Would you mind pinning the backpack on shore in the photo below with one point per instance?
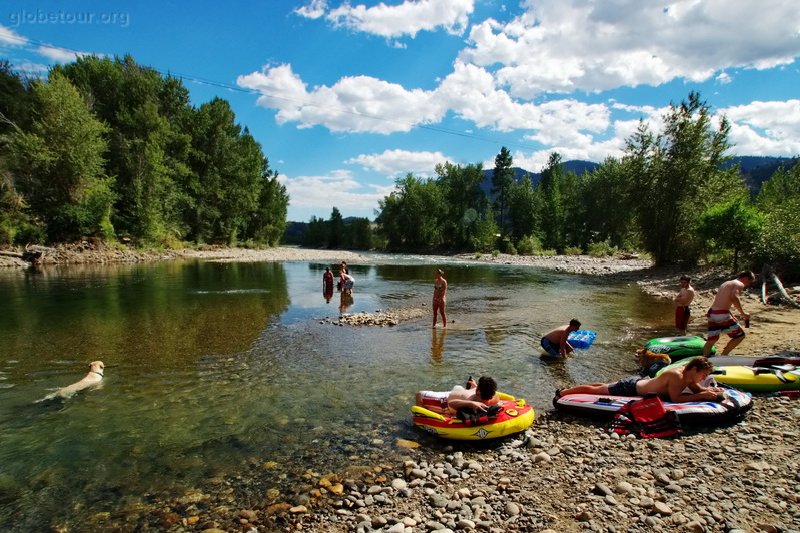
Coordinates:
(646, 418)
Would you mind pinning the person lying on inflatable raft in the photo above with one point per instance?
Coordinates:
(670, 385)
(477, 396)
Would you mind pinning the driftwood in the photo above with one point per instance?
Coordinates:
(769, 273)
(32, 253)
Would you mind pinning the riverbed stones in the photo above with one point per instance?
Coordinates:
(704, 481)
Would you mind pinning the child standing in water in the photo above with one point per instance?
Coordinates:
(439, 301)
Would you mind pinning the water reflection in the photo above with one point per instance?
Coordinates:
(345, 301)
(437, 344)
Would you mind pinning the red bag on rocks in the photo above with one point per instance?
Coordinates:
(646, 418)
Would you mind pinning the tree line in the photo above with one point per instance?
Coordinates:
(108, 148)
(670, 194)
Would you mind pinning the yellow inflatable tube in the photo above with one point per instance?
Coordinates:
(515, 416)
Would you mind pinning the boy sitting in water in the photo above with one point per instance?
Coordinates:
(669, 385)
(476, 396)
(555, 341)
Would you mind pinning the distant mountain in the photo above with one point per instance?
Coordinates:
(576, 165)
(757, 169)
(754, 169)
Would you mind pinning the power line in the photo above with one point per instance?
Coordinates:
(244, 90)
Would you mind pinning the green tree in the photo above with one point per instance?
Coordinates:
(410, 218)
(464, 203)
(502, 182)
(609, 213)
(58, 165)
(316, 234)
(335, 229)
(677, 175)
(731, 226)
(147, 154)
(269, 219)
(552, 203)
(228, 170)
(778, 244)
(358, 234)
(524, 210)
(15, 99)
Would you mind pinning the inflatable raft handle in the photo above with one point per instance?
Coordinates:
(427, 413)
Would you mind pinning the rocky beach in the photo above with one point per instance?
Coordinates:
(565, 473)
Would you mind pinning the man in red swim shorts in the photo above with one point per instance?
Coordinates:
(682, 301)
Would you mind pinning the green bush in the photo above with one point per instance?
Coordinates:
(601, 249)
(573, 250)
(529, 245)
(546, 253)
(495, 253)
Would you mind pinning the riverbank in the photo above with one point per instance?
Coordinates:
(564, 474)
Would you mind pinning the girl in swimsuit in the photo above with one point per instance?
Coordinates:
(439, 302)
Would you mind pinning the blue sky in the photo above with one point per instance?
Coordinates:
(346, 97)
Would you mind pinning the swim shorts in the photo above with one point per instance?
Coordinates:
(434, 399)
(722, 321)
(550, 347)
(682, 314)
(624, 387)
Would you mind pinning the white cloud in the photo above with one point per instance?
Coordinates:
(407, 18)
(59, 55)
(400, 162)
(594, 45)
(723, 78)
(353, 104)
(314, 10)
(765, 128)
(336, 189)
(10, 37)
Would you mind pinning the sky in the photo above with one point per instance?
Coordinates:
(347, 97)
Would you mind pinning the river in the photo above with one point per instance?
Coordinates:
(221, 371)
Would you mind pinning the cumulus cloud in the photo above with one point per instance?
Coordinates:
(765, 128)
(352, 104)
(595, 45)
(407, 18)
(400, 162)
(336, 189)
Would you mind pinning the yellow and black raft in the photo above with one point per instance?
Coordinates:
(513, 415)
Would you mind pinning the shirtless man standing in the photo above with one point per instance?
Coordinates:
(670, 385)
(720, 318)
(555, 341)
(682, 301)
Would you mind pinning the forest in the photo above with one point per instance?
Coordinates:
(110, 149)
(670, 195)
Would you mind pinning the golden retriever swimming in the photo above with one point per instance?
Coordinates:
(92, 379)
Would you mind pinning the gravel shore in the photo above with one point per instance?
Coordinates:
(563, 474)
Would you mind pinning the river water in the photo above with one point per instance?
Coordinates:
(214, 370)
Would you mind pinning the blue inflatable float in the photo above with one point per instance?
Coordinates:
(581, 339)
